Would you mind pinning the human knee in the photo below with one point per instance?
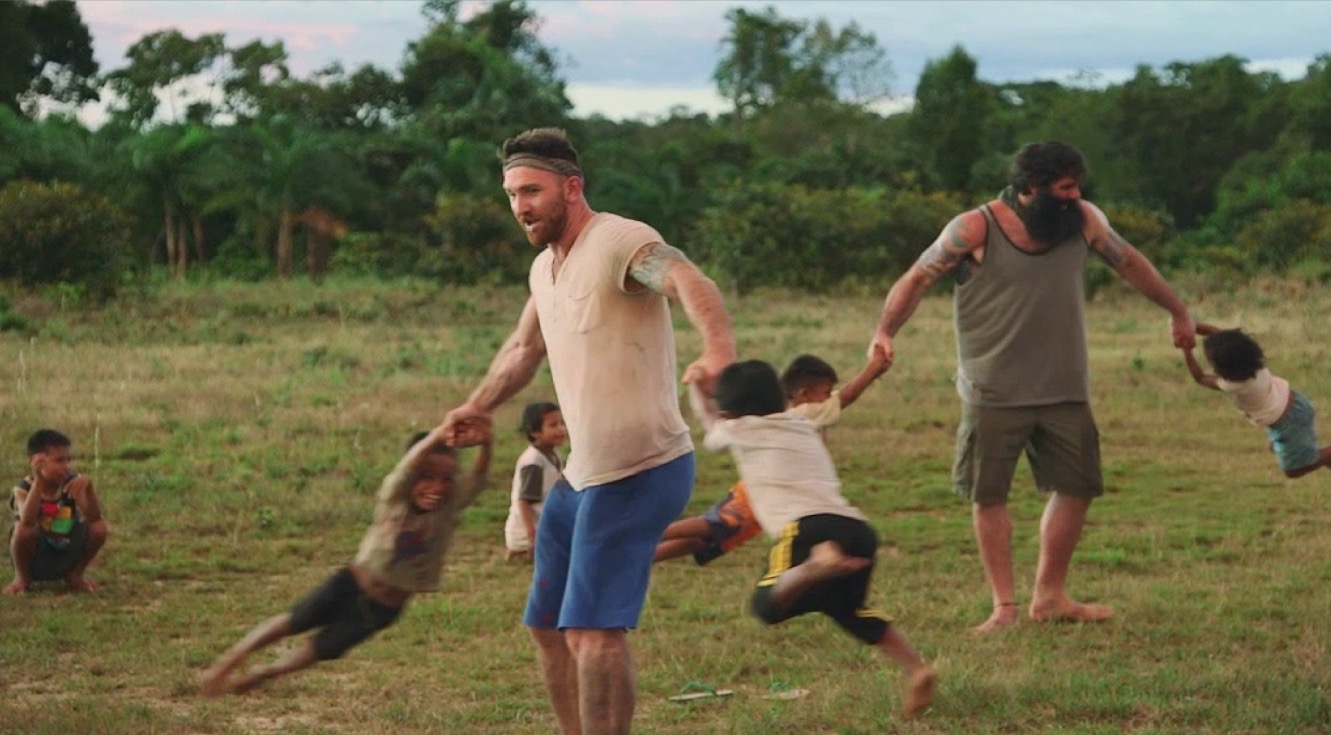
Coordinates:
(24, 536)
(764, 608)
(98, 531)
(595, 643)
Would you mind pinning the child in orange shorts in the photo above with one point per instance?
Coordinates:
(808, 382)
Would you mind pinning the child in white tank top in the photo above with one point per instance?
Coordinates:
(1266, 399)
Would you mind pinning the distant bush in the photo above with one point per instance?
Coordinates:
(60, 233)
(814, 239)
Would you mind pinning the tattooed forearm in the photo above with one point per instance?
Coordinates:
(651, 264)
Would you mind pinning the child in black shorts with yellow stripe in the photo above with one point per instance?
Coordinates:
(418, 507)
(824, 553)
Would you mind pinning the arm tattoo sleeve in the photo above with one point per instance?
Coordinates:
(947, 251)
(651, 264)
(1112, 248)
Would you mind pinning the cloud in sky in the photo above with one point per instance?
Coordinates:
(646, 56)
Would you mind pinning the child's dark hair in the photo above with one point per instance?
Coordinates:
(438, 448)
(533, 416)
(806, 371)
(749, 388)
(1234, 355)
(44, 439)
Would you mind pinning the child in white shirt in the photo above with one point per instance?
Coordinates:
(537, 469)
(824, 553)
(1266, 399)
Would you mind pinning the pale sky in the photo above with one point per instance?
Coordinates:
(639, 58)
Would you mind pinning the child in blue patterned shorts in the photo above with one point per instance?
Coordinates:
(1267, 400)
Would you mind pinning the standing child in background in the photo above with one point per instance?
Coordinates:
(537, 469)
(417, 510)
(808, 383)
(824, 554)
(1266, 399)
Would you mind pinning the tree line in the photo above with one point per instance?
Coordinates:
(215, 159)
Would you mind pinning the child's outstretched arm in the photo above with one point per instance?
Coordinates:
(480, 468)
(702, 405)
(1206, 330)
(1200, 376)
(877, 365)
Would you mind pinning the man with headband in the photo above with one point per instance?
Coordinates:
(599, 312)
(1023, 378)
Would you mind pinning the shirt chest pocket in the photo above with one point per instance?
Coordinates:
(583, 305)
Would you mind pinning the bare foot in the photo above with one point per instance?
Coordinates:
(79, 584)
(213, 681)
(1003, 617)
(919, 692)
(827, 561)
(19, 586)
(245, 683)
(1067, 611)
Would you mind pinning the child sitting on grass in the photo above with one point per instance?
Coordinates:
(537, 469)
(418, 507)
(1266, 399)
(824, 554)
(808, 383)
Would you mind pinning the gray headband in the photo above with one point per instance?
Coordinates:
(545, 163)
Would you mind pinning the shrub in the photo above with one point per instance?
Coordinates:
(60, 233)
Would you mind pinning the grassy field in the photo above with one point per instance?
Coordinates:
(237, 434)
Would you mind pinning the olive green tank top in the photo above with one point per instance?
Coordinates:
(1021, 324)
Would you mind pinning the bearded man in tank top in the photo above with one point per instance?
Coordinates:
(1022, 375)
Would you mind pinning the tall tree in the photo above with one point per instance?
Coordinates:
(768, 60)
(45, 52)
(950, 117)
(157, 63)
(484, 76)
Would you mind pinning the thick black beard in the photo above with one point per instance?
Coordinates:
(1052, 221)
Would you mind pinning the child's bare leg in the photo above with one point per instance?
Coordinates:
(97, 532)
(301, 658)
(826, 561)
(693, 527)
(214, 680)
(1323, 460)
(675, 548)
(920, 676)
(23, 551)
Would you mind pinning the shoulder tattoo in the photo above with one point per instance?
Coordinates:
(652, 263)
(951, 247)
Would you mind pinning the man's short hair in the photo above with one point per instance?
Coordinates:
(44, 439)
(1039, 165)
(546, 142)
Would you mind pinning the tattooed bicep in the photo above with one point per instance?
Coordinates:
(651, 264)
(1112, 247)
(952, 247)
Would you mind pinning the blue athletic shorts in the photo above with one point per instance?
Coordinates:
(594, 547)
(1294, 436)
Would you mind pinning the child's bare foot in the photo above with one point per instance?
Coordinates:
(827, 561)
(1004, 616)
(79, 584)
(17, 587)
(245, 683)
(1067, 611)
(213, 681)
(919, 692)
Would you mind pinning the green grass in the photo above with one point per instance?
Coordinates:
(238, 432)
